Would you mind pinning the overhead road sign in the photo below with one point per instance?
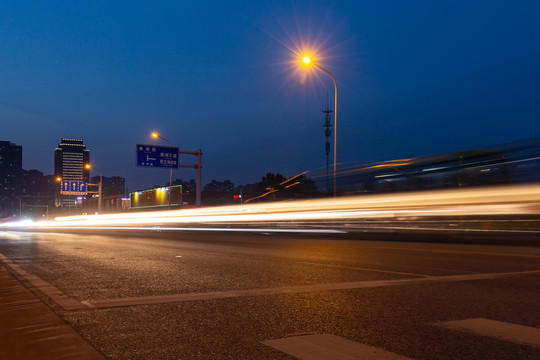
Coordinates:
(157, 156)
(69, 187)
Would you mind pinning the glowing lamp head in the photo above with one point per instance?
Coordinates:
(58, 179)
(155, 135)
(307, 61)
(87, 166)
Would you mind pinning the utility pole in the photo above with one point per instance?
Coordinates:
(100, 193)
(327, 132)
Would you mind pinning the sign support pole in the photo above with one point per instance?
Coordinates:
(198, 167)
(99, 192)
(167, 157)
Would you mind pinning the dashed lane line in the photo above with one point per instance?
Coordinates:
(68, 303)
(454, 252)
(363, 269)
(326, 346)
(497, 329)
(162, 299)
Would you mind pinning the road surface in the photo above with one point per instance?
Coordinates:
(258, 295)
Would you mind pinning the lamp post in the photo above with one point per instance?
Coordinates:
(156, 135)
(100, 188)
(308, 61)
(57, 195)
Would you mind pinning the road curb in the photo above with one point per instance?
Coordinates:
(31, 330)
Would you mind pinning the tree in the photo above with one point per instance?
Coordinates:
(272, 185)
(270, 181)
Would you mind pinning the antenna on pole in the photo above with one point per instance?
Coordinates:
(327, 132)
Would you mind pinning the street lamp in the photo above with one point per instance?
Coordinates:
(100, 188)
(308, 61)
(57, 196)
(156, 136)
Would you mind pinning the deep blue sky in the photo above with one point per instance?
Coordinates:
(415, 78)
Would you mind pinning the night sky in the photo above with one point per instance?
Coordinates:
(414, 78)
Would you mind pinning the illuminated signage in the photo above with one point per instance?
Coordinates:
(156, 197)
(68, 187)
(157, 156)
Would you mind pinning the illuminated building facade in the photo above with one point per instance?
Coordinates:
(70, 158)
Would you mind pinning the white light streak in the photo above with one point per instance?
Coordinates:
(524, 199)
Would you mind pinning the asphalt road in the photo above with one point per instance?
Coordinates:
(204, 295)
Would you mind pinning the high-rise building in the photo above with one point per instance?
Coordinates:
(70, 158)
(37, 193)
(10, 177)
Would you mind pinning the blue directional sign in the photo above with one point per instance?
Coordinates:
(69, 187)
(157, 156)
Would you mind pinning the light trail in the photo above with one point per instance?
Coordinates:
(500, 200)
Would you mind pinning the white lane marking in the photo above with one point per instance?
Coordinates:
(163, 299)
(363, 269)
(153, 228)
(497, 329)
(450, 230)
(264, 231)
(88, 305)
(325, 346)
